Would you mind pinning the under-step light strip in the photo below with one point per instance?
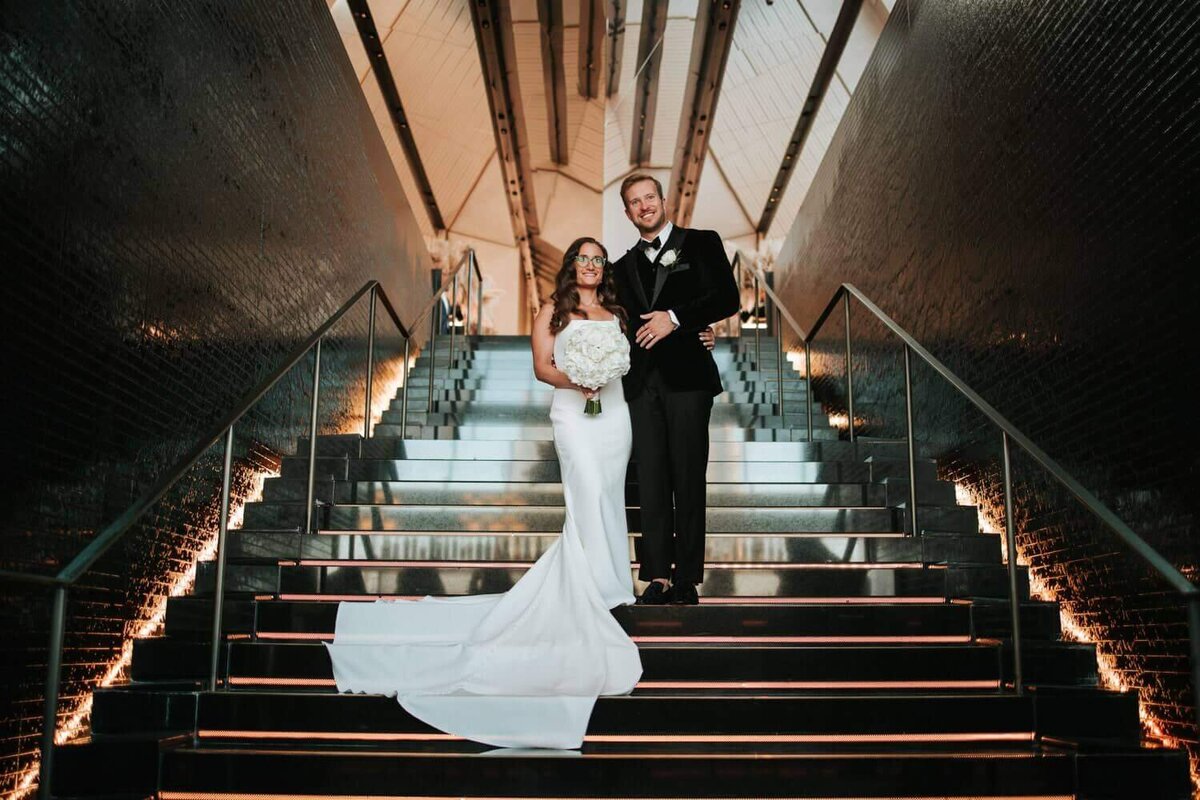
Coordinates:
(288, 636)
(538, 534)
(759, 565)
(778, 738)
(185, 795)
(727, 600)
(241, 680)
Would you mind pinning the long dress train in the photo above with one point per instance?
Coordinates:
(523, 668)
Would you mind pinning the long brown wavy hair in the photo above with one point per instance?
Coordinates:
(566, 288)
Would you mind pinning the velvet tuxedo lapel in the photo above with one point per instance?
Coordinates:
(632, 259)
(661, 273)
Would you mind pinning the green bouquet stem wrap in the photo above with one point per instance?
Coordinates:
(592, 407)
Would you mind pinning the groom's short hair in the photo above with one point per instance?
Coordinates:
(638, 177)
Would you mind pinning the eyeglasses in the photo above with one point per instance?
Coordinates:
(599, 261)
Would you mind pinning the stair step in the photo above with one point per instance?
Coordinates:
(384, 446)
(547, 470)
(531, 432)
(365, 517)
(281, 620)
(436, 492)
(793, 719)
(673, 667)
(221, 773)
(721, 581)
(275, 546)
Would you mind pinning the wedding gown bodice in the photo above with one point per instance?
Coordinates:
(523, 668)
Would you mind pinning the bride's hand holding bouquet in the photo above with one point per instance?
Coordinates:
(593, 357)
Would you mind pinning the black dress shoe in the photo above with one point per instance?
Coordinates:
(684, 594)
(655, 595)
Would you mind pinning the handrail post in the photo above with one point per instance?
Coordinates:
(312, 439)
(478, 300)
(808, 395)
(1193, 601)
(452, 357)
(58, 624)
(779, 367)
(849, 370)
(467, 310)
(433, 326)
(912, 442)
(757, 331)
(1010, 537)
(737, 263)
(219, 587)
(370, 364)
(404, 394)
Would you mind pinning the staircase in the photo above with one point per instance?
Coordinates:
(834, 654)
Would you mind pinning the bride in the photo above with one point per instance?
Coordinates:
(524, 668)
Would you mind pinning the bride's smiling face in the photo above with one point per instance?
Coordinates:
(589, 274)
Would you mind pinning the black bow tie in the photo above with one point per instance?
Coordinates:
(653, 244)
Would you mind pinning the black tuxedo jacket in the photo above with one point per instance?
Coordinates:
(700, 289)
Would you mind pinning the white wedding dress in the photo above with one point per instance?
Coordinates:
(523, 668)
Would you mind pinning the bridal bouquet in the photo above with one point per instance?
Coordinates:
(593, 356)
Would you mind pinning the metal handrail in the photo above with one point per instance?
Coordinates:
(1010, 433)
(81, 563)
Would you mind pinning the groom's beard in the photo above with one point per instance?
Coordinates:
(653, 225)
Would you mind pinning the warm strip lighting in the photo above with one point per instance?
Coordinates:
(992, 684)
(991, 518)
(73, 723)
(185, 795)
(385, 385)
(995, 684)
(286, 636)
(633, 534)
(767, 565)
(634, 738)
(234, 680)
(803, 639)
(787, 601)
(708, 601)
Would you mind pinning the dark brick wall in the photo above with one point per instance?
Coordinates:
(187, 190)
(1009, 183)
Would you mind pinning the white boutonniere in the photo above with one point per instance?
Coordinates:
(669, 258)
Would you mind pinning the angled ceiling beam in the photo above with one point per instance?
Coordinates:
(550, 21)
(497, 59)
(591, 46)
(711, 45)
(645, 92)
(616, 41)
(808, 113)
(373, 44)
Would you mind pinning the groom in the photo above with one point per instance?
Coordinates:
(673, 283)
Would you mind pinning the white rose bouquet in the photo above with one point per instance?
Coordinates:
(593, 356)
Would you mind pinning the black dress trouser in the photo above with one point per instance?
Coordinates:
(670, 444)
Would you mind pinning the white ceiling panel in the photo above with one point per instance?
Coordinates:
(770, 70)
(717, 207)
(485, 215)
(672, 82)
(385, 13)
(829, 116)
(387, 131)
(527, 38)
(434, 59)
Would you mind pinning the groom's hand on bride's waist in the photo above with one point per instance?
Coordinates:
(657, 327)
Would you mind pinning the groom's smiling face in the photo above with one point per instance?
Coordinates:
(644, 207)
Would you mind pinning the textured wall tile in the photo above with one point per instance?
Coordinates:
(1010, 184)
(187, 190)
